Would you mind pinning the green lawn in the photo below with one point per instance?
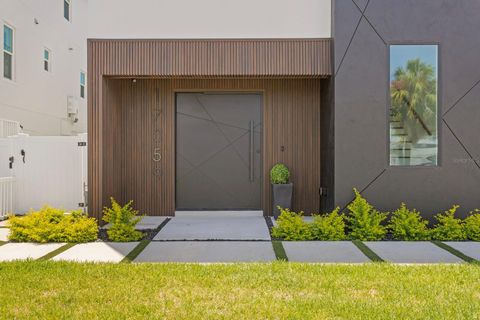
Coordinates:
(53, 290)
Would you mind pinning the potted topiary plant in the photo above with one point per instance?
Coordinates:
(282, 189)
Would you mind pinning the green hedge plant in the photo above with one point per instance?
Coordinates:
(279, 174)
(123, 221)
(365, 222)
(53, 225)
(408, 225)
(329, 226)
(291, 226)
(448, 227)
(472, 225)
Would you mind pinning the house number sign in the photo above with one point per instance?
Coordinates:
(156, 138)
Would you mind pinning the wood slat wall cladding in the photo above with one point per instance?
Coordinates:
(296, 58)
(137, 117)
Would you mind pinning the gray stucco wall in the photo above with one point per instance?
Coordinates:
(362, 31)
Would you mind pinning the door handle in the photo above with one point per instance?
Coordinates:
(251, 152)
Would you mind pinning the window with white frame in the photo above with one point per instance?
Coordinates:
(8, 52)
(46, 60)
(67, 9)
(82, 84)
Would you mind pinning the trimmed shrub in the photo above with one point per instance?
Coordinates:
(330, 226)
(279, 174)
(472, 225)
(290, 226)
(53, 225)
(364, 220)
(407, 224)
(448, 227)
(123, 221)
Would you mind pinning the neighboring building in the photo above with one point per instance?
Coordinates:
(191, 103)
(44, 63)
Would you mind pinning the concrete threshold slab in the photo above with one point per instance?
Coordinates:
(146, 223)
(411, 252)
(219, 213)
(4, 223)
(207, 251)
(468, 248)
(97, 252)
(21, 251)
(215, 228)
(324, 252)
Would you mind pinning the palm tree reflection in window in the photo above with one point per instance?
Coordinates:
(413, 114)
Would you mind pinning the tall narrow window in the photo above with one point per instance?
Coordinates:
(82, 84)
(46, 59)
(413, 105)
(66, 9)
(8, 52)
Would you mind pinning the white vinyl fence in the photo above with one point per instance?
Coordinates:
(45, 170)
(6, 195)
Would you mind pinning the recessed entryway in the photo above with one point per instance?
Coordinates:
(218, 151)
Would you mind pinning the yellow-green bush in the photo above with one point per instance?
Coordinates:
(290, 226)
(448, 227)
(53, 225)
(472, 225)
(328, 227)
(408, 225)
(123, 221)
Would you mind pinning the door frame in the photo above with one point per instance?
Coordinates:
(175, 93)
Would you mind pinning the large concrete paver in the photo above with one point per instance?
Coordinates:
(207, 251)
(146, 223)
(411, 252)
(4, 232)
(97, 252)
(324, 251)
(20, 251)
(469, 248)
(4, 223)
(215, 226)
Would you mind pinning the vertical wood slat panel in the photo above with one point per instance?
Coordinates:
(291, 119)
(289, 105)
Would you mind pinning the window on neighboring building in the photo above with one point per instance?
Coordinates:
(46, 59)
(413, 105)
(67, 9)
(8, 52)
(82, 84)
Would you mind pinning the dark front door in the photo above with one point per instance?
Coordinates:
(219, 152)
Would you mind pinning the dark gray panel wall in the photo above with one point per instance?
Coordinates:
(362, 31)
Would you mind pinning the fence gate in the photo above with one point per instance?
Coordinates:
(44, 170)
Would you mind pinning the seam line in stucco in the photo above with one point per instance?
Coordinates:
(461, 98)
(365, 188)
(353, 34)
(460, 142)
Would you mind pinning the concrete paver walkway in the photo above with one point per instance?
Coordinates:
(4, 232)
(19, 251)
(97, 252)
(207, 251)
(212, 225)
(411, 252)
(324, 251)
(469, 248)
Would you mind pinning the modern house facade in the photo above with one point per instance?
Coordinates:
(44, 64)
(191, 103)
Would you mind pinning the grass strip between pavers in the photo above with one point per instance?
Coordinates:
(454, 251)
(279, 250)
(136, 251)
(367, 251)
(56, 252)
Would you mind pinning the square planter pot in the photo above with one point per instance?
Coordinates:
(282, 197)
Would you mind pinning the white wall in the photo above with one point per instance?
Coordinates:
(209, 19)
(36, 98)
